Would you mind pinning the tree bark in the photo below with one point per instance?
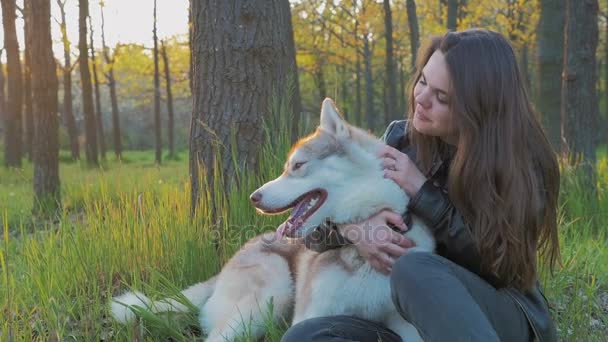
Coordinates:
(358, 71)
(344, 97)
(13, 125)
(402, 89)
(391, 72)
(319, 77)
(452, 15)
(170, 115)
(604, 120)
(412, 22)
(68, 108)
(579, 93)
(240, 62)
(157, 123)
(370, 115)
(525, 65)
(116, 131)
(290, 96)
(111, 82)
(98, 112)
(190, 46)
(358, 95)
(87, 90)
(2, 93)
(44, 86)
(550, 42)
(27, 84)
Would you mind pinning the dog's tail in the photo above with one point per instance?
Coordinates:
(121, 307)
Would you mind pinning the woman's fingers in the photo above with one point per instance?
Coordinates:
(386, 263)
(391, 174)
(402, 241)
(388, 151)
(394, 219)
(389, 164)
(394, 251)
(378, 264)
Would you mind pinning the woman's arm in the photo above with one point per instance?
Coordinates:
(430, 203)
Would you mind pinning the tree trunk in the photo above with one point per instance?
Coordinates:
(13, 128)
(116, 138)
(345, 96)
(240, 62)
(579, 93)
(412, 22)
(68, 108)
(27, 84)
(170, 116)
(369, 84)
(44, 85)
(358, 72)
(157, 124)
(391, 72)
(452, 15)
(550, 42)
(98, 112)
(402, 90)
(111, 82)
(604, 125)
(525, 65)
(2, 93)
(319, 78)
(87, 90)
(190, 46)
(291, 95)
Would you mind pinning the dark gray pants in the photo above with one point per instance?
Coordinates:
(443, 300)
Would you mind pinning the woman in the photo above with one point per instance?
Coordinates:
(480, 172)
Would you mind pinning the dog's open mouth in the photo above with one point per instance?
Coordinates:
(303, 207)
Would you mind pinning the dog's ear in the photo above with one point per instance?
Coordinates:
(331, 121)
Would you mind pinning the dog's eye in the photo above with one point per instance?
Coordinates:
(298, 165)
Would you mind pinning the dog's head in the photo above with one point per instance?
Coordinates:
(332, 174)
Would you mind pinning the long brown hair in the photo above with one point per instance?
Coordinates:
(504, 176)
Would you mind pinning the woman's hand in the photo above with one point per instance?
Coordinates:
(376, 241)
(401, 169)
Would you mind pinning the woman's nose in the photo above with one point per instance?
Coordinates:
(423, 98)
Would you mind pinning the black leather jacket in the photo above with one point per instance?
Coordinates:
(453, 236)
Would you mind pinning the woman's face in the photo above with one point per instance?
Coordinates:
(432, 115)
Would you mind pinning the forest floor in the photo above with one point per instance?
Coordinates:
(126, 226)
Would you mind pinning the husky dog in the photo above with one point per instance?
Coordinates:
(332, 174)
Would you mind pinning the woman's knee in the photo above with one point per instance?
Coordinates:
(414, 264)
(411, 270)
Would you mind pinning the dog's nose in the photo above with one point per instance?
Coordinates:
(256, 197)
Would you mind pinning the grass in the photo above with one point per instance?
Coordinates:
(126, 225)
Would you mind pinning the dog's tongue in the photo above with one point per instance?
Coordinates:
(299, 209)
(281, 229)
(286, 229)
(294, 221)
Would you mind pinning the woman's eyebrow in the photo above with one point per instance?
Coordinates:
(434, 88)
